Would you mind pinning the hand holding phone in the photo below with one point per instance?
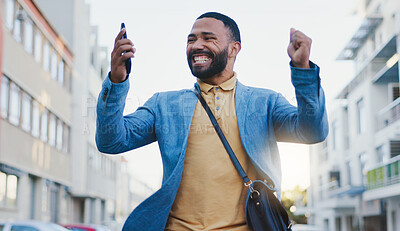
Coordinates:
(121, 56)
(128, 63)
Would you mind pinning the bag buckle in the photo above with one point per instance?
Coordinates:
(248, 184)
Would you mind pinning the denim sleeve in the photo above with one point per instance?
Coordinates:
(116, 133)
(306, 123)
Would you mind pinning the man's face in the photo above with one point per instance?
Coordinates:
(207, 47)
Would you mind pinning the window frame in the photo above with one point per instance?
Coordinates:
(6, 91)
(17, 119)
(26, 126)
(5, 203)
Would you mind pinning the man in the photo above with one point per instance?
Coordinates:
(201, 189)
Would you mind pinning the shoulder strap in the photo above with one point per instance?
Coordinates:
(221, 135)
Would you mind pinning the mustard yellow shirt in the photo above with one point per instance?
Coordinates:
(211, 195)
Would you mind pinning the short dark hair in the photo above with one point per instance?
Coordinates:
(228, 22)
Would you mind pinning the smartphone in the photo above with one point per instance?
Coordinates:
(128, 63)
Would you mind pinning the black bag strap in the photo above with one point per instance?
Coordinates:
(221, 135)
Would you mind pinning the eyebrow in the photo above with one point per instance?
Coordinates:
(203, 33)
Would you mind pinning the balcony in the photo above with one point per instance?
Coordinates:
(367, 27)
(389, 114)
(384, 175)
(384, 180)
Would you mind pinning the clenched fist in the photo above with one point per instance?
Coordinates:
(123, 50)
(299, 48)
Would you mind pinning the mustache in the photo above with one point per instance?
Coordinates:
(209, 53)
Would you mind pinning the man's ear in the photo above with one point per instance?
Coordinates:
(235, 48)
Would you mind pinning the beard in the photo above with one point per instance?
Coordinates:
(218, 64)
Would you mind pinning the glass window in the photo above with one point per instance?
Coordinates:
(5, 87)
(35, 118)
(361, 119)
(28, 35)
(15, 104)
(335, 135)
(66, 138)
(59, 134)
(3, 180)
(10, 6)
(53, 65)
(52, 129)
(348, 171)
(38, 46)
(61, 72)
(67, 78)
(26, 112)
(18, 25)
(43, 125)
(23, 228)
(46, 56)
(12, 183)
(363, 162)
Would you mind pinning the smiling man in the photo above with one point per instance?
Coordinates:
(201, 189)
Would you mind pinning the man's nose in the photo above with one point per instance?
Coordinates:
(198, 45)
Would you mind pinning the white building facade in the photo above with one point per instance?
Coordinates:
(52, 72)
(355, 180)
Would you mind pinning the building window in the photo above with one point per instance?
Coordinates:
(15, 104)
(348, 171)
(38, 46)
(66, 138)
(363, 162)
(26, 112)
(380, 154)
(46, 56)
(18, 25)
(28, 35)
(361, 119)
(67, 78)
(5, 88)
(59, 138)
(10, 8)
(52, 129)
(35, 118)
(61, 72)
(53, 64)
(43, 125)
(8, 190)
(335, 135)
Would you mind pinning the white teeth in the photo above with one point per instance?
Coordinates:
(200, 59)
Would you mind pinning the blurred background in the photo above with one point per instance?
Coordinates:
(54, 55)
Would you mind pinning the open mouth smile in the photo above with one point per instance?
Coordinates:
(200, 59)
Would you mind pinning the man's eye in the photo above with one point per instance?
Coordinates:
(190, 40)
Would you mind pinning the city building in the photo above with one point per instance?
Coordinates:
(52, 72)
(36, 116)
(355, 180)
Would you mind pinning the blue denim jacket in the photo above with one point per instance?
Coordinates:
(264, 117)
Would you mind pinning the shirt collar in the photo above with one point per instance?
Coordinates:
(228, 85)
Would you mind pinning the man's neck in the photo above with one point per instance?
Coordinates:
(220, 78)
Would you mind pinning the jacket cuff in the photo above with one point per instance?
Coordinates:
(112, 92)
(305, 76)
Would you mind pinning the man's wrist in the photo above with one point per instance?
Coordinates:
(308, 65)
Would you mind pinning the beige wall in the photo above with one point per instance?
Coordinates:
(19, 149)
(21, 67)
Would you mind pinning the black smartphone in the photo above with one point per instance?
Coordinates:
(128, 63)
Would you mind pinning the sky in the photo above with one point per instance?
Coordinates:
(159, 31)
